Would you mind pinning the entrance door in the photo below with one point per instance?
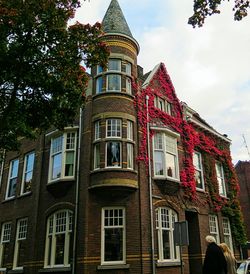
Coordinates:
(194, 248)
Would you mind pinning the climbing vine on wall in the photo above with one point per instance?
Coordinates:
(213, 149)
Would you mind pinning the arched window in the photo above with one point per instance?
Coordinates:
(165, 219)
(58, 239)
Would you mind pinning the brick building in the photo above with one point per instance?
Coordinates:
(103, 195)
(243, 172)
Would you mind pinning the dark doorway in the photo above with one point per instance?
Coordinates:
(194, 248)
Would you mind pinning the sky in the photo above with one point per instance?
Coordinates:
(209, 66)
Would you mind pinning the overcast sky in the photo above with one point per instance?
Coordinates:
(209, 66)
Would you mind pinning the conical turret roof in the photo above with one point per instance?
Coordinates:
(114, 20)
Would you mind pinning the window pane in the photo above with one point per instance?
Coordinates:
(97, 130)
(114, 82)
(113, 154)
(113, 128)
(130, 130)
(59, 256)
(69, 163)
(28, 172)
(159, 162)
(128, 68)
(170, 164)
(114, 64)
(128, 85)
(158, 141)
(113, 248)
(57, 145)
(12, 187)
(166, 244)
(130, 156)
(97, 156)
(99, 84)
(56, 166)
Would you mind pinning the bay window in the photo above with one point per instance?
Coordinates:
(165, 156)
(63, 156)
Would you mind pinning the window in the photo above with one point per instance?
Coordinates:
(28, 172)
(4, 244)
(213, 227)
(114, 65)
(128, 85)
(113, 236)
(165, 156)
(116, 147)
(128, 68)
(227, 232)
(113, 82)
(99, 84)
(165, 219)
(163, 105)
(12, 181)
(62, 157)
(97, 130)
(113, 154)
(130, 155)
(114, 128)
(58, 239)
(130, 130)
(21, 235)
(220, 179)
(198, 170)
(97, 156)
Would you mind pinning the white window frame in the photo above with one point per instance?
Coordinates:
(128, 68)
(199, 169)
(63, 151)
(130, 130)
(165, 151)
(5, 239)
(99, 84)
(130, 156)
(227, 232)
(220, 179)
(57, 226)
(117, 61)
(114, 128)
(97, 130)
(97, 155)
(114, 226)
(119, 165)
(214, 227)
(2, 154)
(27, 169)
(118, 89)
(165, 219)
(12, 177)
(128, 85)
(21, 235)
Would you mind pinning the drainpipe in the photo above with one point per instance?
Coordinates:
(2, 155)
(77, 194)
(150, 194)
